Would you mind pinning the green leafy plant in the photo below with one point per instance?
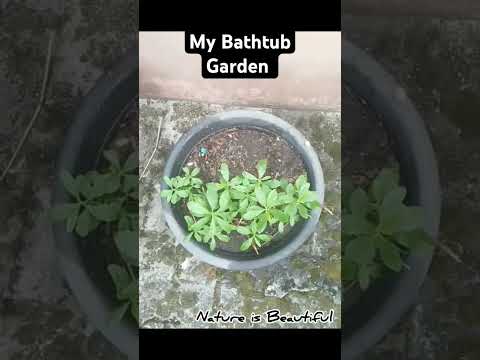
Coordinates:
(378, 229)
(182, 187)
(254, 236)
(212, 212)
(247, 204)
(107, 203)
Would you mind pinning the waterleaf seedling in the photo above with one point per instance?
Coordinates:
(378, 229)
(255, 206)
(107, 202)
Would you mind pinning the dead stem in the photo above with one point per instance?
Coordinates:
(39, 106)
(328, 210)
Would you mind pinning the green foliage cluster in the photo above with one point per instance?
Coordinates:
(255, 206)
(107, 202)
(378, 229)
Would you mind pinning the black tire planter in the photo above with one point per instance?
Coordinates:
(244, 119)
(98, 114)
(377, 311)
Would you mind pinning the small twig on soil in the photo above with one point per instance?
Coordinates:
(39, 106)
(447, 250)
(328, 210)
(348, 287)
(159, 132)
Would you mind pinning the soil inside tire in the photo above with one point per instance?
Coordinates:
(241, 149)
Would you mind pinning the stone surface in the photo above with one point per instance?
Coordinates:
(174, 286)
(437, 63)
(39, 317)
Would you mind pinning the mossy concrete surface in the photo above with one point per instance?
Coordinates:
(437, 62)
(174, 286)
(39, 316)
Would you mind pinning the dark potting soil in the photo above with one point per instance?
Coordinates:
(99, 249)
(241, 149)
(366, 147)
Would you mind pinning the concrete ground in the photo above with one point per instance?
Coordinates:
(39, 318)
(437, 62)
(174, 286)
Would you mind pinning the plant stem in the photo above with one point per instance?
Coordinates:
(39, 106)
(348, 287)
(159, 132)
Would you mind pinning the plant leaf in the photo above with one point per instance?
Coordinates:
(309, 196)
(260, 196)
(195, 172)
(274, 184)
(386, 181)
(212, 195)
(249, 176)
(243, 230)
(182, 193)
(360, 250)
(261, 168)
(69, 183)
(264, 237)
(363, 277)
(359, 202)
(291, 210)
(225, 201)
(416, 240)
(168, 181)
(121, 278)
(129, 291)
(105, 212)
(83, 223)
(112, 157)
(394, 198)
(131, 163)
(246, 244)
(301, 180)
(279, 215)
(223, 237)
(272, 198)
(390, 255)
(252, 212)
(400, 218)
(117, 314)
(197, 209)
(212, 244)
(134, 309)
(243, 205)
(127, 244)
(224, 225)
(225, 172)
(356, 225)
(72, 221)
(349, 270)
(303, 211)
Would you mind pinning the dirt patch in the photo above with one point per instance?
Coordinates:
(241, 149)
(366, 147)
